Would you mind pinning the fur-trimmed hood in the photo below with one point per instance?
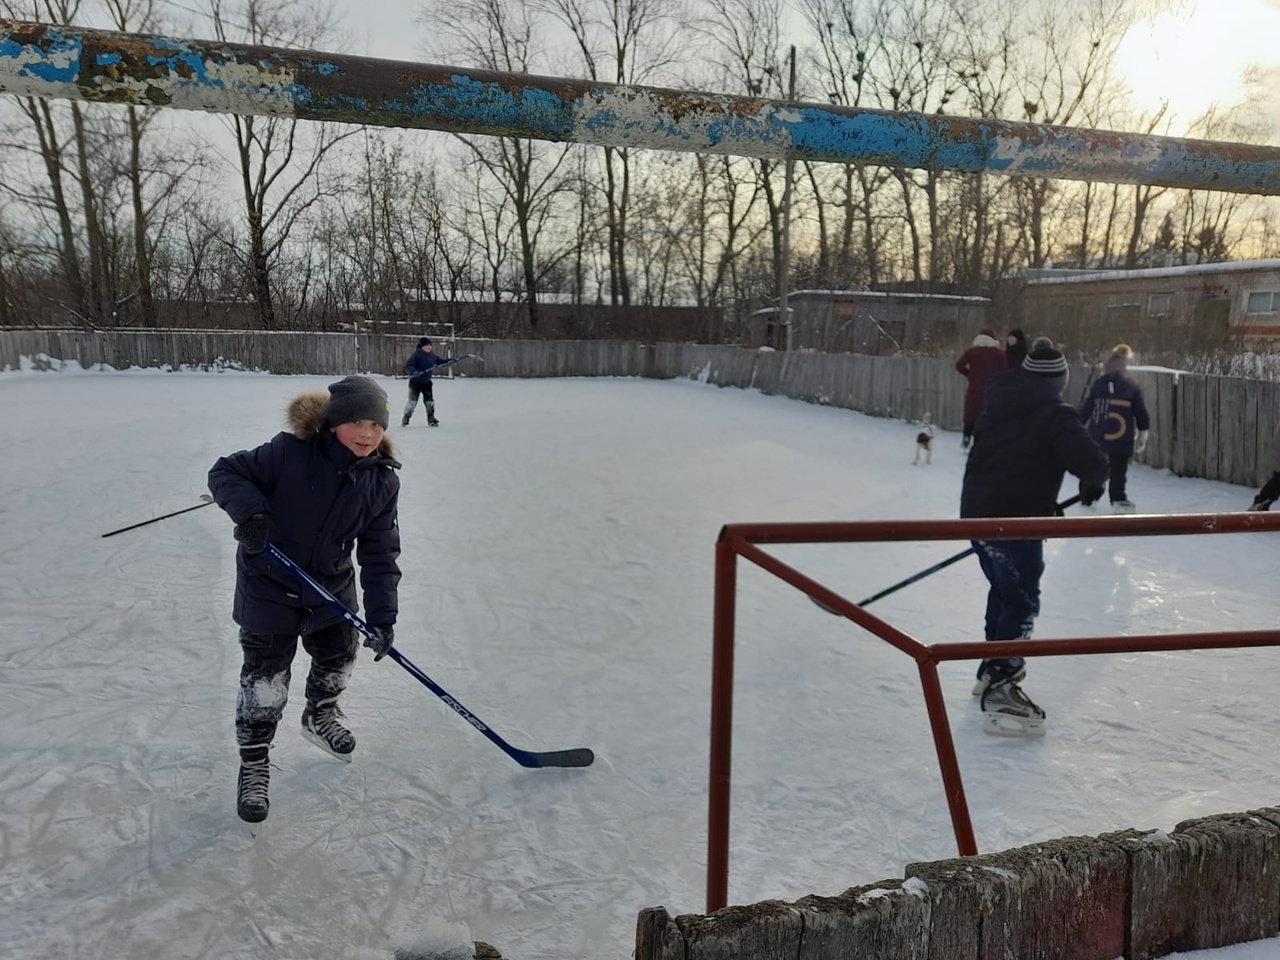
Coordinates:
(306, 414)
(987, 340)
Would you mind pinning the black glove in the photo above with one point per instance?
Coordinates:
(1091, 493)
(253, 534)
(380, 646)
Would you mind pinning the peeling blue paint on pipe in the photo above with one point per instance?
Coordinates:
(58, 62)
(43, 61)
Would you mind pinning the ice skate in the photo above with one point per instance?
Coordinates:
(1123, 506)
(1008, 712)
(252, 800)
(320, 725)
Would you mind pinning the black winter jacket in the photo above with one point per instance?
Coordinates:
(322, 501)
(1024, 442)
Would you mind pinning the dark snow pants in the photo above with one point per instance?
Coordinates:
(419, 390)
(264, 677)
(1119, 476)
(1013, 568)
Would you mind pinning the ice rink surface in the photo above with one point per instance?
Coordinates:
(558, 553)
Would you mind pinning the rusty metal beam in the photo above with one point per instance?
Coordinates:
(103, 66)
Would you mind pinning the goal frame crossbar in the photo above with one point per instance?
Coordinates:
(745, 540)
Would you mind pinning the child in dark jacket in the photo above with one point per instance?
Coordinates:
(420, 365)
(1028, 438)
(316, 493)
(1118, 421)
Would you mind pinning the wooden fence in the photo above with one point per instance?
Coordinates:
(1133, 894)
(1202, 426)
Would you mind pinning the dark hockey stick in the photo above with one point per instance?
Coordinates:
(1059, 508)
(134, 526)
(579, 757)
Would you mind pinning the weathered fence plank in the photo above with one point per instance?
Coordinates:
(1211, 882)
(1061, 900)
(1211, 427)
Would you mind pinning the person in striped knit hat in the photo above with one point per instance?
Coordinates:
(1026, 440)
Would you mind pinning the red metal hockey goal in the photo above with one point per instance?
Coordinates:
(745, 540)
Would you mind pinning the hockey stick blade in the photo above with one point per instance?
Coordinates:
(580, 757)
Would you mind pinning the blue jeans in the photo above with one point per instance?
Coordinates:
(1013, 568)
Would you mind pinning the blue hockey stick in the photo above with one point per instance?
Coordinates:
(580, 757)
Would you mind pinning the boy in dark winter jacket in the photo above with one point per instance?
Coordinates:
(1026, 440)
(1118, 421)
(979, 364)
(419, 366)
(316, 493)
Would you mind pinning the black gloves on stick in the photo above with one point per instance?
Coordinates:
(1091, 493)
(380, 646)
(253, 533)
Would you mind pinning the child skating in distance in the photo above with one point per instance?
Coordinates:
(1117, 418)
(420, 365)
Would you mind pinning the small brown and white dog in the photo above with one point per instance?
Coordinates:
(924, 440)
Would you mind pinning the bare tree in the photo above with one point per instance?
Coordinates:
(500, 35)
(278, 161)
(628, 42)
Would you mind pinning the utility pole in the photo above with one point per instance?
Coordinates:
(784, 310)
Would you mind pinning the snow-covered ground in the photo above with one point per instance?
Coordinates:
(558, 546)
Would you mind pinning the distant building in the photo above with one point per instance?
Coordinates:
(1214, 300)
(872, 322)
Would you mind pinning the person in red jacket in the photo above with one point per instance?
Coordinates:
(979, 363)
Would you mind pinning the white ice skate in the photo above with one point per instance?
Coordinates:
(1008, 712)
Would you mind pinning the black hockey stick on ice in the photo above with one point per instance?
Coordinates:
(942, 565)
(580, 757)
(204, 496)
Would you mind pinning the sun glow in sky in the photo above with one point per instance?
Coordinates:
(1196, 58)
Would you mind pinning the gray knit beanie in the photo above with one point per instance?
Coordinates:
(357, 398)
(1046, 360)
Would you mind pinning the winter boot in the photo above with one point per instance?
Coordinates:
(252, 801)
(320, 725)
(431, 416)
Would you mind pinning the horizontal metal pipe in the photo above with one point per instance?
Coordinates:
(40, 60)
(1006, 528)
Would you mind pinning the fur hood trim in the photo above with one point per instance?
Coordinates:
(306, 414)
(983, 340)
